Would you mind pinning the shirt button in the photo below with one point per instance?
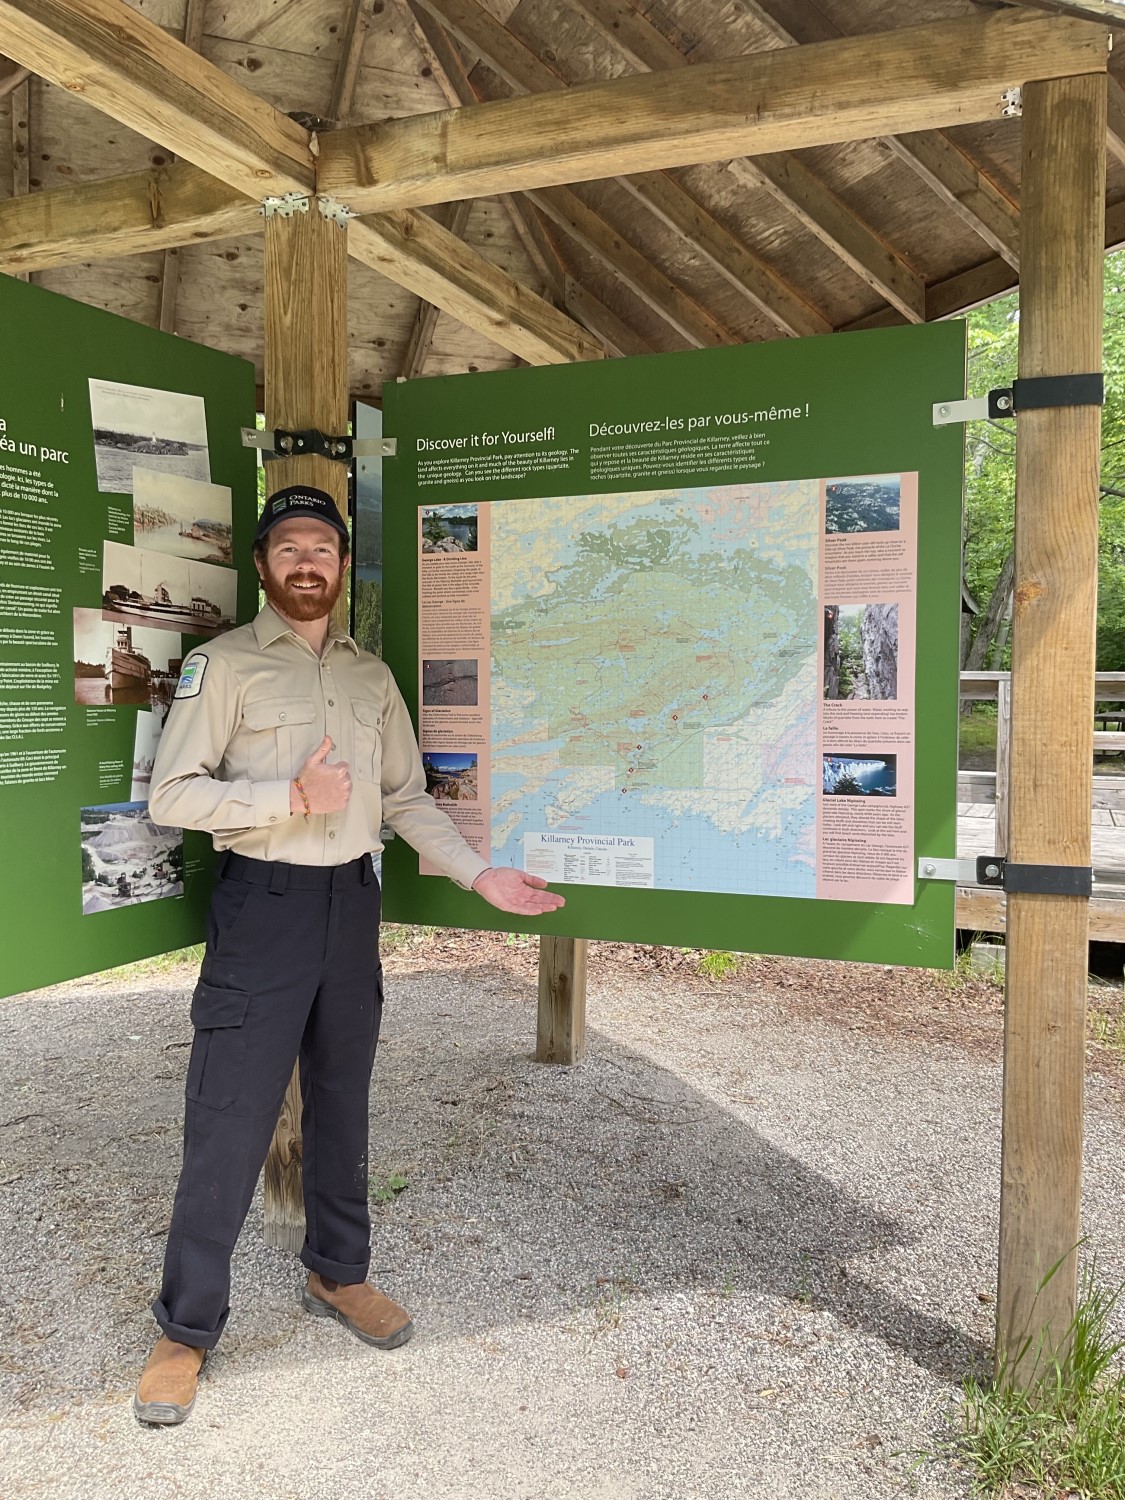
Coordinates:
(273, 820)
(331, 703)
(331, 835)
(281, 716)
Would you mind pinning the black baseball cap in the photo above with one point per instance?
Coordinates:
(300, 500)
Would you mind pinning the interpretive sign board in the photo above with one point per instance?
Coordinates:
(127, 507)
(681, 634)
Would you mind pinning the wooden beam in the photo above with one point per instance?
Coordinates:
(953, 72)
(356, 26)
(784, 176)
(124, 64)
(561, 1032)
(725, 253)
(306, 368)
(746, 271)
(947, 170)
(1053, 638)
(1115, 117)
(668, 300)
(21, 148)
(429, 261)
(422, 334)
(604, 324)
(964, 188)
(11, 76)
(155, 210)
(170, 270)
(449, 69)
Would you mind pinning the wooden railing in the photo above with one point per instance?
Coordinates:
(1109, 687)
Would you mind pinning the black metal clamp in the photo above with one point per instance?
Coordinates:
(1031, 393)
(1034, 880)
(284, 442)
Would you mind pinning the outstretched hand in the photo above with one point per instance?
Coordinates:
(513, 890)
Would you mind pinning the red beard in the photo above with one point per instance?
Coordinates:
(302, 604)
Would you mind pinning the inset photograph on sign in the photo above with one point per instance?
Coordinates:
(450, 684)
(866, 503)
(185, 517)
(860, 652)
(140, 427)
(120, 664)
(127, 858)
(449, 528)
(859, 775)
(451, 777)
(170, 593)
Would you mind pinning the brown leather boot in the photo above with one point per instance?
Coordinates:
(363, 1311)
(166, 1390)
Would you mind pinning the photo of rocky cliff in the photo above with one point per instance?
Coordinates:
(861, 651)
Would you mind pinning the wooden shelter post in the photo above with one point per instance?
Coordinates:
(306, 370)
(1057, 473)
(561, 1032)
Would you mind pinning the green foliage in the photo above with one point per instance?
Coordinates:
(388, 1189)
(369, 615)
(718, 965)
(1065, 1435)
(990, 462)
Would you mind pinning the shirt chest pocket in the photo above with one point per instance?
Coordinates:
(368, 722)
(281, 735)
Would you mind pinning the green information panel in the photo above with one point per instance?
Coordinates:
(681, 636)
(127, 505)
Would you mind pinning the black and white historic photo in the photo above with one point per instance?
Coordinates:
(122, 664)
(171, 593)
(140, 427)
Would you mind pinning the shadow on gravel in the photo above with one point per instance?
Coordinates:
(542, 1195)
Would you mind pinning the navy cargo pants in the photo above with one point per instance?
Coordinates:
(291, 970)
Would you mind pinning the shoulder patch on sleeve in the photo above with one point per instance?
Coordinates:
(191, 677)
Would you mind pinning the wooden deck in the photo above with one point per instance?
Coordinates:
(976, 834)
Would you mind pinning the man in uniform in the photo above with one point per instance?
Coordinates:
(291, 746)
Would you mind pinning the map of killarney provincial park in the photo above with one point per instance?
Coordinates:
(655, 679)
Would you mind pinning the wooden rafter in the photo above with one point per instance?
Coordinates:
(137, 74)
(425, 322)
(452, 76)
(784, 176)
(125, 65)
(946, 170)
(660, 193)
(917, 78)
(11, 76)
(420, 255)
(170, 270)
(665, 297)
(357, 23)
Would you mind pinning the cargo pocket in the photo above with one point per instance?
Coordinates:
(286, 722)
(218, 1054)
(368, 722)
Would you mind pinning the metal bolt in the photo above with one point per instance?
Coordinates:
(286, 444)
(943, 411)
(992, 871)
(929, 869)
(1003, 403)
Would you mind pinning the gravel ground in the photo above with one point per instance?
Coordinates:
(746, 1249)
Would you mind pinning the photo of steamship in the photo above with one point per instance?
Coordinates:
(168, 593)
(122, 664)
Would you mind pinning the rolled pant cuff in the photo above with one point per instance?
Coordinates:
(335, 1270)
(198, 1338)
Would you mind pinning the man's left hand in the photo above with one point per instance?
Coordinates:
(513, 890)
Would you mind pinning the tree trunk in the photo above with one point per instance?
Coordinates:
(998, 606)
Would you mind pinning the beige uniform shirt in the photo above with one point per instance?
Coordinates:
(247, 715)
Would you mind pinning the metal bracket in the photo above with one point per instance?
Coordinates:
(334, 211)
(1011, 103)
(993, 870)
(1032, 393)
(284, 205)
(284, 443)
